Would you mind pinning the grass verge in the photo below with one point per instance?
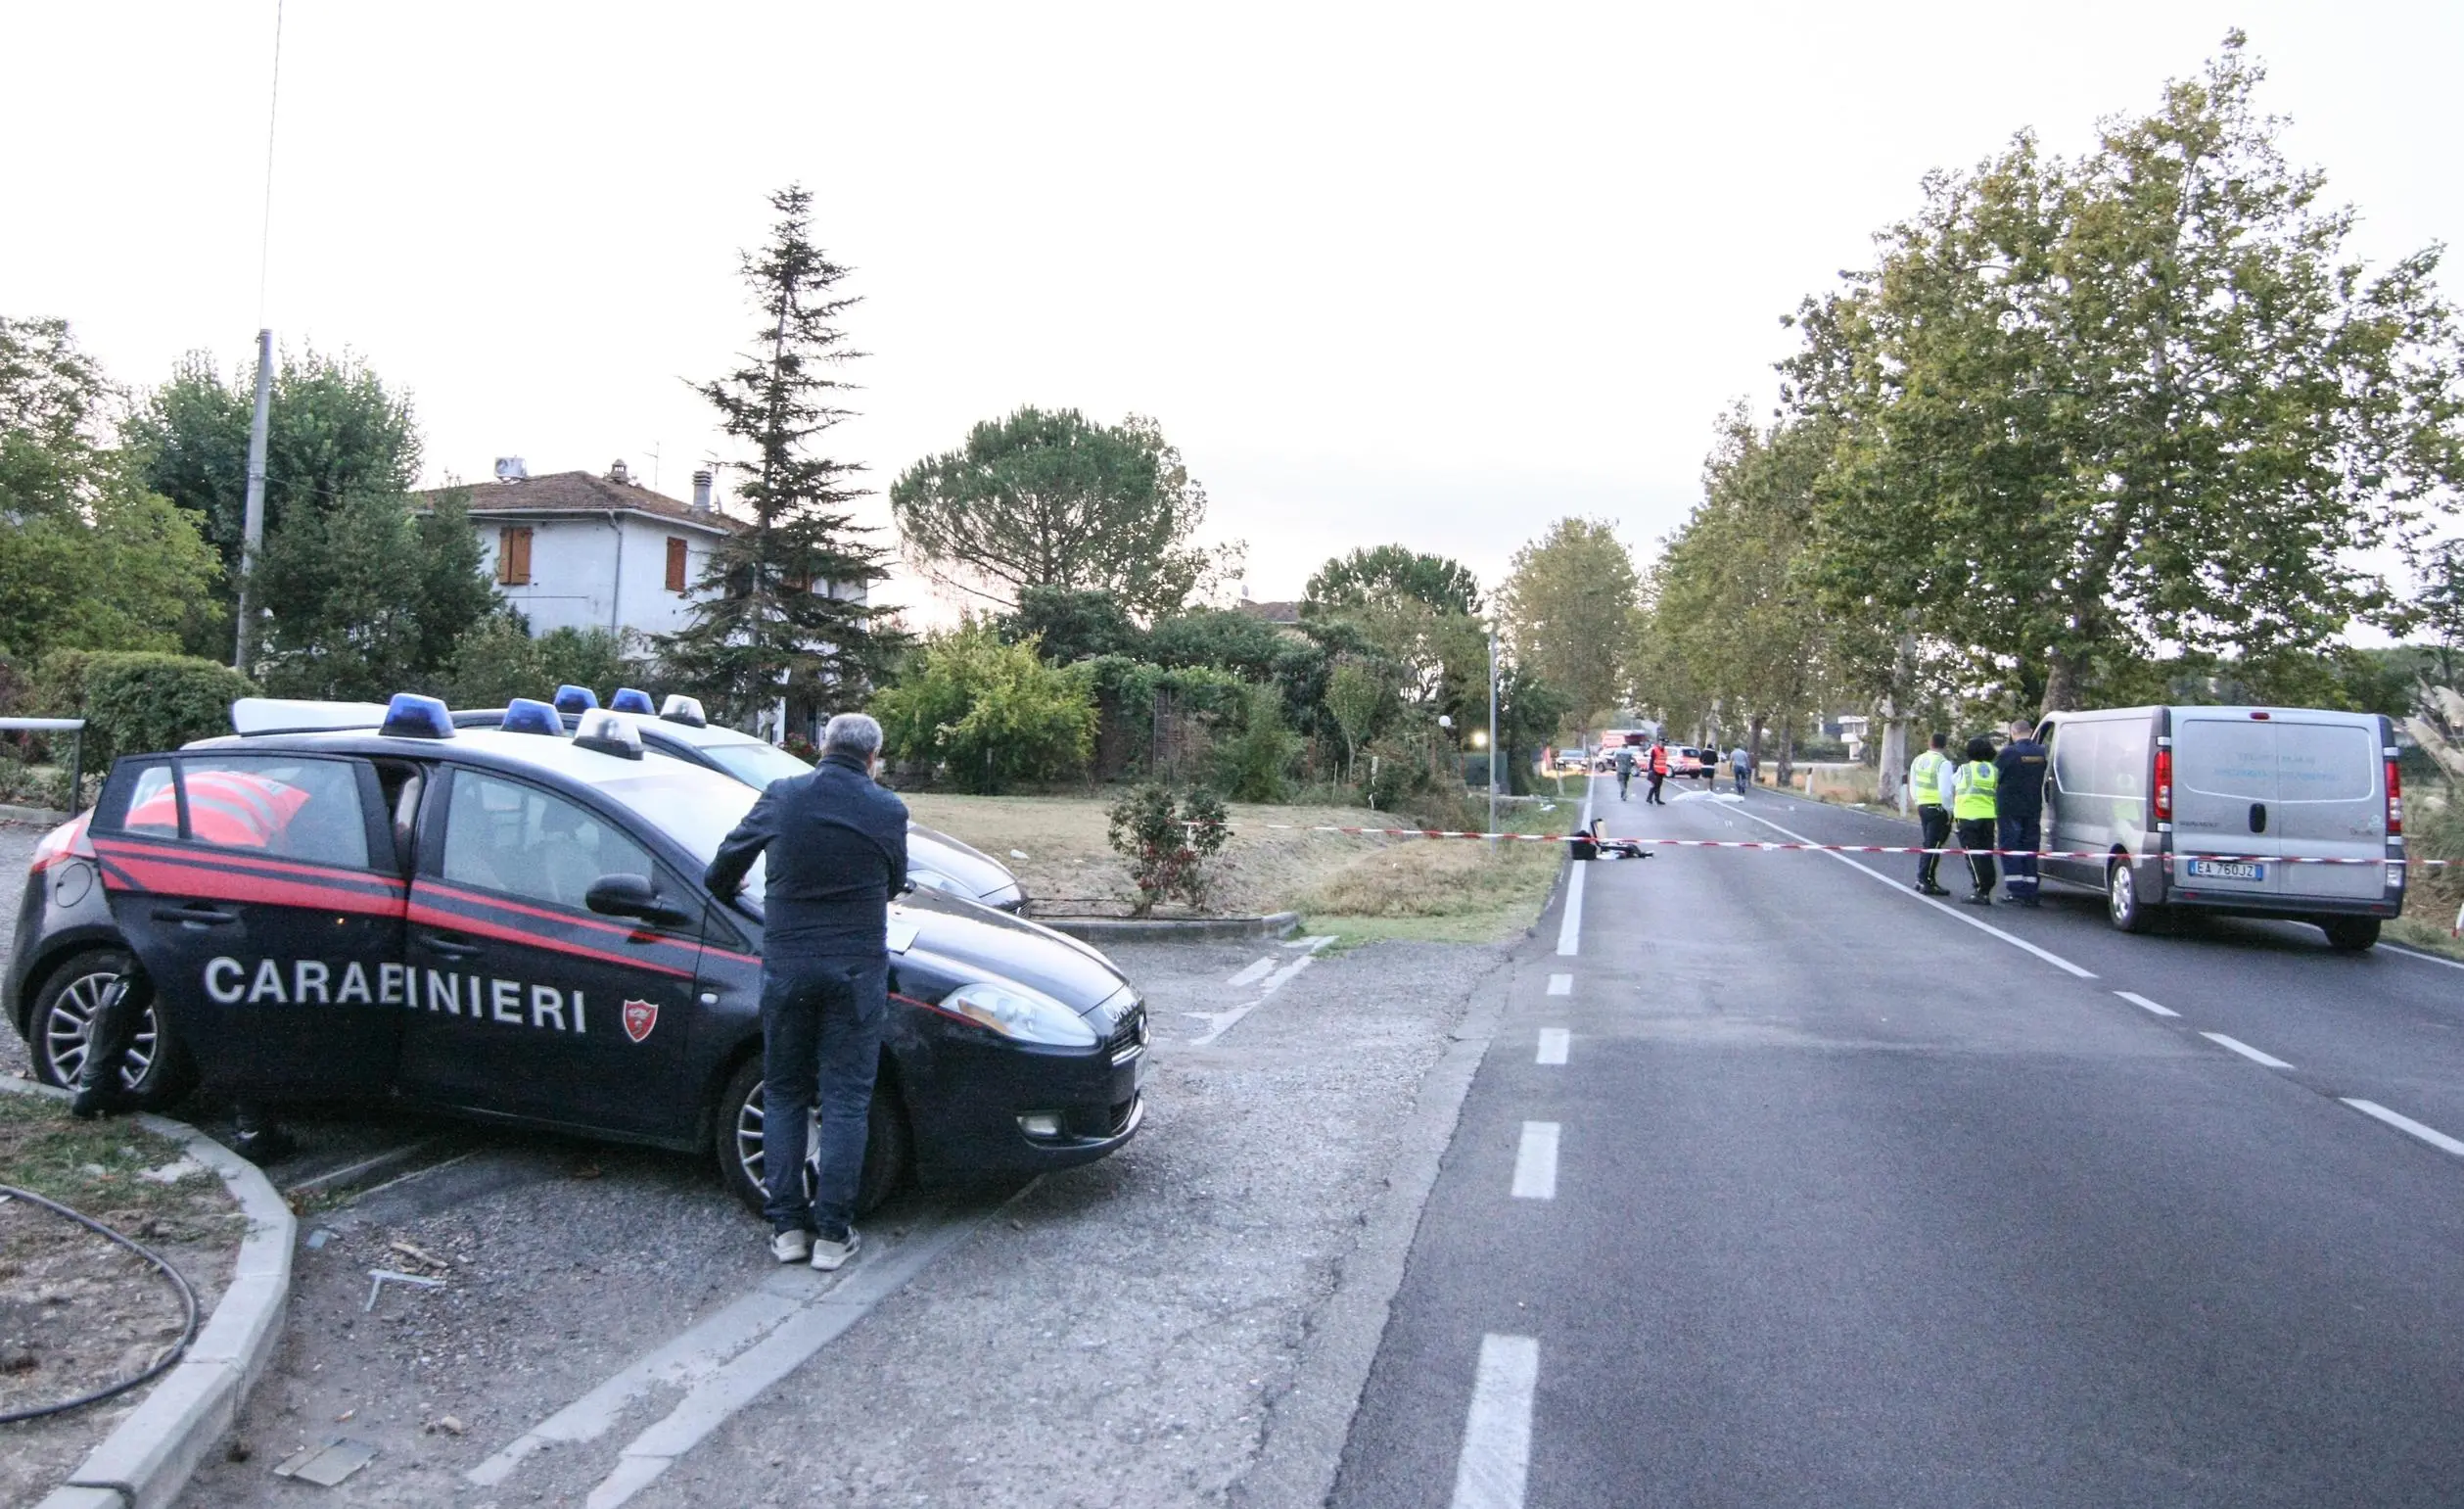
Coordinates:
(97, 1167)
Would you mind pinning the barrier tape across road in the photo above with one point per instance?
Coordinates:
(1838, 848)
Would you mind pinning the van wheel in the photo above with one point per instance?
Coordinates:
(2350, 934)
(738, 1136)
(155, 1072)
(2122, 906)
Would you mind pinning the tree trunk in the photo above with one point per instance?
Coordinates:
(2063, 675)
(1788, 747)
(1890, 783)
(1753, 745)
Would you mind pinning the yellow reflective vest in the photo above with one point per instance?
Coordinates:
(1925, 779)
(1974, 790)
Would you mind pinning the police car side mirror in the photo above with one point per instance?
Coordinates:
(629, 895)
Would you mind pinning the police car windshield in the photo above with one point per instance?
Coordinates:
(695, 807)
(756, 764)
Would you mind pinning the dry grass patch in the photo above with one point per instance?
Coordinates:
(1442, 889)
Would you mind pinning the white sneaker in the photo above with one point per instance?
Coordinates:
(829, 1256)
(792, 1247)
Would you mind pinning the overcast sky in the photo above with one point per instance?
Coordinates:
(1404, 273)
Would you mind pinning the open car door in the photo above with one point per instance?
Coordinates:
(260, 893)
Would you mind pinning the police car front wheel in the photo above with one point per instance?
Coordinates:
(153, 1075)
(739, 1139)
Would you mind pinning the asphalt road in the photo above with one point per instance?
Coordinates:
(1837, 1197)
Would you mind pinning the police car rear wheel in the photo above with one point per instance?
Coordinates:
(64, 1019)
(739, 1139)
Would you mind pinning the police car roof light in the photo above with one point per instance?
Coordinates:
(529, 715)
(628, 699)
(571, 698)
(412, 716)
(679, 708)
(602, 731)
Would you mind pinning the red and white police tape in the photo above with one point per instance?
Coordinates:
(1834, 848)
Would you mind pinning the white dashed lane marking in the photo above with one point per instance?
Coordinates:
(1536, 1162)
(2246, 1049)
(2138, 1000)
(1497, 1434)
(1554, 1042)
(2407, 1124)
(1560, 984)
(1570, 929)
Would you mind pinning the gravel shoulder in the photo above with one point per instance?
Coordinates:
(1125, 1332)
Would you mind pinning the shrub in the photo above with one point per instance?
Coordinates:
(138, 702)
(1167, 844)
(1255, 762)
(992, 714)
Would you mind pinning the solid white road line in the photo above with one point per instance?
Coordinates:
(1223, 1021)
(1570, 927)
(2138, 1000)
(1252, 974)
(1497, 1434)
(2017, 942)
(2435, 1138)
(1554, 1042)
(1536, 1162)
(2246, 1049)
(1560, 984)
(2414, 953)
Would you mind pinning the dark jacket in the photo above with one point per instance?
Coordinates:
(837, 846)
(2022, 763)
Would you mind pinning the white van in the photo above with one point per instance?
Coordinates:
(2202, 807)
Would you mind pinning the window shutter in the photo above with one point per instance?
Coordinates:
(513, 556)
(675, 564)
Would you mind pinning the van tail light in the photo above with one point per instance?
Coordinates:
(67, 841)
(2394, 802)
(2164, 786)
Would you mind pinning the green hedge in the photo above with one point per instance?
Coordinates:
(138, 702)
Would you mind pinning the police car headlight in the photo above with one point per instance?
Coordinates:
(1029, 1016)
(934, 880)
(1007, 896)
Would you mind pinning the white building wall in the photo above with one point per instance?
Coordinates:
(575, 581)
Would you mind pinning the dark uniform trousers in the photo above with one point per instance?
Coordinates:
(1934, 821)
(1975, 835)
(2019, 869)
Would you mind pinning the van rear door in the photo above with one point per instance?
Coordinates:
(2225, 805)
(2330, 805)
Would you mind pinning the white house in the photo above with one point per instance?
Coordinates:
(573, 551)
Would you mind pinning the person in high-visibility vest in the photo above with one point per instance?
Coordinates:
(1659, 770)
(1928, 782)
(1975, 805)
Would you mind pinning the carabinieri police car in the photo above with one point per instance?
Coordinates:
(509, 925)
(680, 729)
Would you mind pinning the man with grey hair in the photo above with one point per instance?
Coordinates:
(836, 843)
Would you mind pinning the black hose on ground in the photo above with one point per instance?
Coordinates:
(163, 1363)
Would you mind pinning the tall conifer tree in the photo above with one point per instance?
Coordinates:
(771, 622)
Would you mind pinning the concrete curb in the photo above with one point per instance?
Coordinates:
(1127, 929)
(145, 1462)
(44, 816)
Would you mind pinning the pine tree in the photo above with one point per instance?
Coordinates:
(770, 622)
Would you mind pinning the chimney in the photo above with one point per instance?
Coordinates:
(701, 491)
(618, 471)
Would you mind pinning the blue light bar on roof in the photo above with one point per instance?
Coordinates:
(571, 698)
(628, 699)
(412, 716)
(529, 715)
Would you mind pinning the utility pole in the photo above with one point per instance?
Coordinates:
(253, 520)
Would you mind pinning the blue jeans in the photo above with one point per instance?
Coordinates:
(820, 1044)
(2018, 871)
(1739, 772)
